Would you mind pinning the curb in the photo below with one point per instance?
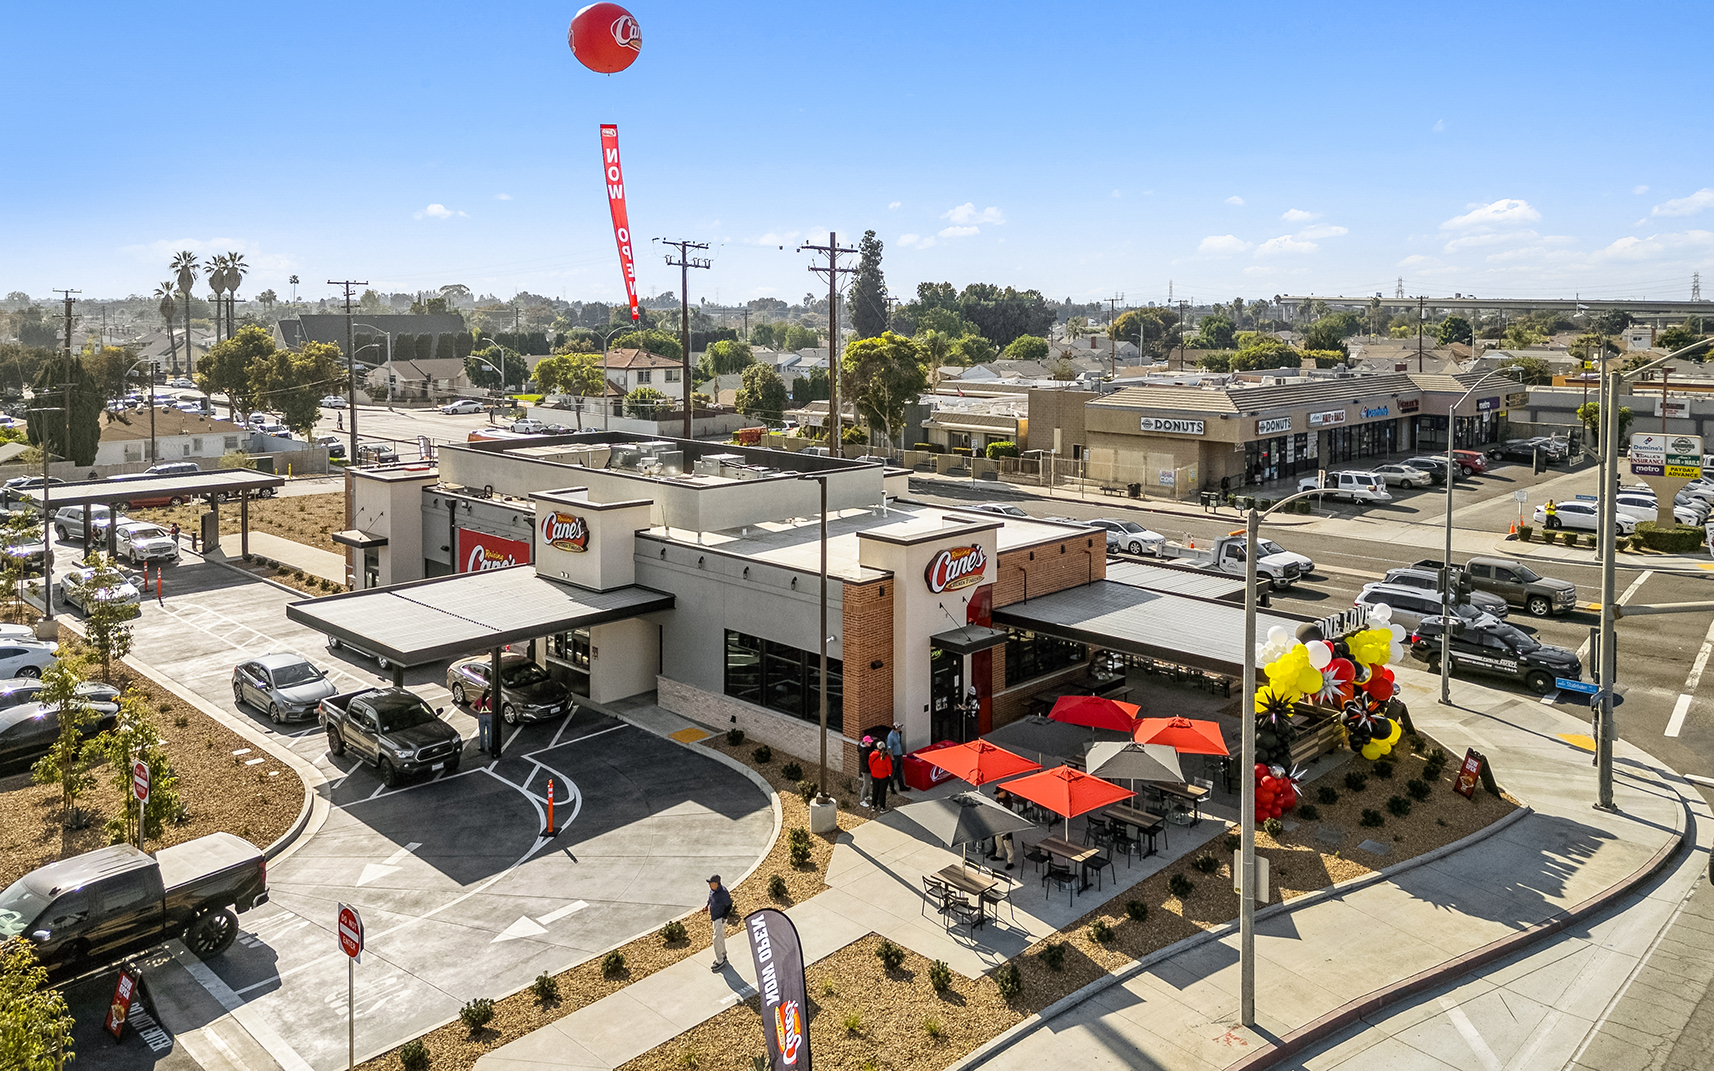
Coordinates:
(1125, 503)
(1335, 1021)
(1681, 564)
(1018, 1031)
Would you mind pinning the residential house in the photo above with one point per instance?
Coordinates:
(441, 379)
(178, 437)
(629, 369)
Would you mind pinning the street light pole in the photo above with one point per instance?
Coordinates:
(606, 406)
(822, 480)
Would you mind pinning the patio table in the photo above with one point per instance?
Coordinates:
(1147, 823)
(1188, 797)
(1075, 854)
(975, 885)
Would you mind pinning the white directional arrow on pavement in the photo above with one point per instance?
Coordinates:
(524, 927)
(376, 871)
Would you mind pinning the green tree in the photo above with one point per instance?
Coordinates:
(35, 1023)
(70, 758)
(1262, 351)
(727, 357)
(974, 349)
(107, 622)
(883, 375)
(646, 403)
(47, 429)
(798, 337)
(479, 368)
(1613, 321)
(1215, 362)
(810, 387)
(1217, 333)
(136, 736)
(577, 374)
(15, 531)
(1679, 336)
(1521, 336)
(234, 367)
(1530, 370)
(294, 383)
(35, 329)
(1027, 348)
(946, 321)
(762, 395)
(764, 335)
(869, 289)
(1590, 414)
(108, 367)
(1327, 333)
(1590, 346)
(1453, 329)
(650, 340)
(1154, 331)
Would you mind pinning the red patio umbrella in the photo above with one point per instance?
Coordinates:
(1182, 735)
(1096, 712)
(978, 762)
(1067, 792)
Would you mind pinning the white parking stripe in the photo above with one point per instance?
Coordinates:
(1583, 651)
(1675, 724)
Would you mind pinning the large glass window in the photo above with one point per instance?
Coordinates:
(1032, 654)
(783, 678)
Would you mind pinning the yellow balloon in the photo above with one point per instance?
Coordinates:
(1371, 750)
(1398, 731)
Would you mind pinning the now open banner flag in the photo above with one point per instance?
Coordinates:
(778, 955)
(615, 177)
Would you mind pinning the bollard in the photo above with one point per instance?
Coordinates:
(158, 599)
(550, 806)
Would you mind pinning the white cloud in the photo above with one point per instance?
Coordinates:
(1325, 230)
(967, 213)
(1416, 260)
(1235, 200)
(894, 204)
(959, 232)
(436, 212)
(1685, 206)
(1298, 215)
(1506, 212)
(502, 197)
(1633, 248)
(1473, 241)
(1221, 245)
(1285, 243)
(1115, 193)
(1257, 270)
(1440, 126)
(1639, 189)
(913, 241)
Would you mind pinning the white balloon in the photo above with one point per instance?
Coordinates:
(1380, 613)
(1320, 654)
(1278, 634)
(1396, 652)
(1397, 630)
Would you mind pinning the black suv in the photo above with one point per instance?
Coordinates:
(1496, 648)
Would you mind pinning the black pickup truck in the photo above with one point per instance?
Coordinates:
(393, 729)
(97, 907)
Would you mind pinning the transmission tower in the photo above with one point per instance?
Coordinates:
(1696, 286)
(1400, 292)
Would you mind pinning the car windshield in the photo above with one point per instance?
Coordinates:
(147, 532)
(402, 712)
(301, 673)
(1514, 637)
(1133, 528)
(524, 674)
(1525, 574)
(20, 905)
(1270, 547)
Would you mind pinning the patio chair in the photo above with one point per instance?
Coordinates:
(1122, 841)
(959, 908)
(1001, 894)
(1036, 855)
(1061, 875)
(933, 892)
(1097, 864)
(1096, 831)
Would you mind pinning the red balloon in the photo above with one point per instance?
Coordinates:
(1261, 770)
(604, 37)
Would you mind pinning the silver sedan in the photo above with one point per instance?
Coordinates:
(287, 687)
(1403, 475)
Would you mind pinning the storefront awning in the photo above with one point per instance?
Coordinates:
(1154, 624)
(359, 539)
(427, 620)
(967, 640)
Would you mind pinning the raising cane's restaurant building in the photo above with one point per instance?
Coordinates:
(692, 570)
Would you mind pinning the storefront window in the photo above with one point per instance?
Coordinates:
(783, 678)
(1031, 654)
(1266, 460)
(571, 648)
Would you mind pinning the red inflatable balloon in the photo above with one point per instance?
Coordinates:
(604, 37)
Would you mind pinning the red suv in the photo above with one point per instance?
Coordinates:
(1470, 462)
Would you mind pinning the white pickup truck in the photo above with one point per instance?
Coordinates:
(1356, 486)
(1227, 555)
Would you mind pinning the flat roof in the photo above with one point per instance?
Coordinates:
(1177, 580)
(427, 620)
(107, 492)
(1119, 617)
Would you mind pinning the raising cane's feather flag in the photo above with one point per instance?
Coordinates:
(778, 955)
(615, 178)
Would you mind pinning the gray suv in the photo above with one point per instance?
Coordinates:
(285, 686)
(68, 522)
(1429, 580)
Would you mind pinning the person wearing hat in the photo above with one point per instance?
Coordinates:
(719, 904)
(880, 773)
(896, 748)
(865, 781)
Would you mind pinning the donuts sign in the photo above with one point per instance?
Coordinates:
(565, 531)
(956, 567)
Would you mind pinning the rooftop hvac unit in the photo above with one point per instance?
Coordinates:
(626, 457)
(671, 461)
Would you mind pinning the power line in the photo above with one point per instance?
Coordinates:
(351, 363)
(684, 263)
(833, 251)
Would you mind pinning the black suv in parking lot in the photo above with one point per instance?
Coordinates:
(1499, 649)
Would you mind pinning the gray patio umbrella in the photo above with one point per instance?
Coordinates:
(1137, 762)
(964, 818)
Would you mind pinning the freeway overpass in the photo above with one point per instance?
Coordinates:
(1643, 309)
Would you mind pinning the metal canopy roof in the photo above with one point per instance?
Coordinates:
(107, 492)
(1177, 580)
(967, 640)
(1173, 628)
(427, 620)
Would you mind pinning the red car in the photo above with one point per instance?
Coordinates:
(1470, 462)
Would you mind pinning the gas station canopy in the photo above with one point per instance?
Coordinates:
(188, 486)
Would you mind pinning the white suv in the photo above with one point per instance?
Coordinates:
(1355, 486)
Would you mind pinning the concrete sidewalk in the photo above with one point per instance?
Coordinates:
(312, 560)
(1321, 965)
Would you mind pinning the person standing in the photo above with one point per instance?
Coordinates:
(719, 904)
(880, 773)
(1551, 512)
(864, 750)
(896, 748)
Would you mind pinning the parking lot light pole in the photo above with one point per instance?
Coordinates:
(821, 478)
(1446, 558)
(47, 535)
(154, 370)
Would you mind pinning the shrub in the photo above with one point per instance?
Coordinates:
(1206, 863)
(1437, 757)
(807, 789)
(413, 1055)
(791, 771)
(763, 754)
(1356, 782)
(1383, 769)
(477, 1014)
(798, 835)
(734, 737)
(940, 976)
(1180, 886)
(689, 1059)
(673, 932)
(1418, 789)
(800, 855)
(1100, 932)
(1432, 770)
(932, 1028)
(853, 1023)
(1525, 532)
(1137, 910)
(1570, 539)
(1326, 795)
(1371, 819)
(1009, 981)
(545, 988)
(1273, 827)
(997, 450)
(1398, 806)
(777, 887)
(1232, 842)
(891, 956)
(1309, 812)
(1621, 542)
(1054, 956)
(613, 964)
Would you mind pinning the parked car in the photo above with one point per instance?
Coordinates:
(181, 383)
(1132, 537)
(1113, 535)
(1429, 580)
(68, 522)
(1645, 508)
(1227, 555)
(393, 729)
(26, 658)
(98, 907)
(173, 468)
(148, 500)
(80, 589)
(1403, 475)
(529, 694)
(1522, 450)
(1470, 462)
(285, 686)
(144, 541)
(1517, 583)
(22, 691)
(1410, 605)
(529, 427)
(1005, 509)
(462, 405)
(29, 727)
(332, 401)
(29, 549)
(334, 444)
(1582, 516)
(1272, 551)
(1498, 649)
(376, 454)
(1354, 486)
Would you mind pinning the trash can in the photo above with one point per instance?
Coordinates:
(919, 774)
(1135, 489)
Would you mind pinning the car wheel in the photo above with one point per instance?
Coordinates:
(237, 695)
(458, 695)
(1434, 664)
(60, 533)
(29, 671)
(510, 713)
(1539, 606)
(389, 773)
(1137, 549)
(175, 501)
(1465, 470)
(1554, 524)
(124, 506)
(209, 935)
(335, 742)
(274, 713)
(1540, 682)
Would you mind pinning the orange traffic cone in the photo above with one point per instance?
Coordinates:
(1514, 530)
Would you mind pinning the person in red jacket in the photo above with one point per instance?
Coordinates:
(880, 772)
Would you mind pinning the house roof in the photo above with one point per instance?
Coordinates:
(639, 359)
(330, 327)
(166, 424)
(431, 369)
(1258, 399)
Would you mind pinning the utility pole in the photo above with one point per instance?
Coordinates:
(67, 402)
(684, 263)
(1112, 335)
(1183, 306)
(833, 251)
(1419, 313)
(351, 366)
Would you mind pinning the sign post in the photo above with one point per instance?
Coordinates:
(350, 943)
(140, 789)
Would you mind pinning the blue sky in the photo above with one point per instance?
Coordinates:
(1233, 149)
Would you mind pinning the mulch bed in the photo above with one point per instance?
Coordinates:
(307, 519)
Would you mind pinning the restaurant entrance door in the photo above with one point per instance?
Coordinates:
(946, 696)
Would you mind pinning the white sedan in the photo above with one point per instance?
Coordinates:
(79, 591)
(1581, 516)
(333, 401)
(26, 658)
(1403, 475)
(181, 383)
(463, 405)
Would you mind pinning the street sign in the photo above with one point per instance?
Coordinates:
(350, 932)
(1566, 684)
(1523, 496)
(1517, 399)
(140, 780)
(1672, 456)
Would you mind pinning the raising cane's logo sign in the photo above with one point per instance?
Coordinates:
(478, 551)
(565, 531)
(788, 1031)
(956, 567)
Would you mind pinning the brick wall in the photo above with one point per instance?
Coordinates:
(1048, 567)
(867, 631)
(722, 712)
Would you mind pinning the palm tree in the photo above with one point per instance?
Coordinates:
(186, 267)
(294, 281)
(217, 283)
(235, 272)
(165, 293)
